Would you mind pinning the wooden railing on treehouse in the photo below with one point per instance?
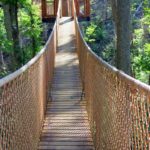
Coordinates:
(118, 106)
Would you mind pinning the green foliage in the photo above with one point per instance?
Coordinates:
(108, 53)
(5, 44)
(137, 41)
(146, 58)
(142, 60)
(94, 33)
(146, 18)
(141, 46)
(12, 2)
(140, 56)
(30, 29)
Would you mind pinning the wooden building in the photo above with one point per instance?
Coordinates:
(49, 8)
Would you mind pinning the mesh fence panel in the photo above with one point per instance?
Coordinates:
(118, 106)
(23, 97)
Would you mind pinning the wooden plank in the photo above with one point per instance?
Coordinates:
(66, 143)
(67, 128)
(67, 102)
(65, 125)
(44, 9)
(73, 147)
(65, 139)
(65, 8)
(66, 106)
(55, 7)
(66, 132)
(66, 115)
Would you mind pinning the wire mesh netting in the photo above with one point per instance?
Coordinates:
(23, 98)
(118, 106)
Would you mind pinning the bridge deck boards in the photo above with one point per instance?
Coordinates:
(66, 124)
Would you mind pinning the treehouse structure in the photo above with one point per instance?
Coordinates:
(83, 8)
(49, 8)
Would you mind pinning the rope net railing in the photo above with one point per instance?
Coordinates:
(23, 98)
(118, 106)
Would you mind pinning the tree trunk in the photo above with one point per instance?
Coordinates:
(2, 61)
(34, 47)
(146, 35)
(123, 61)
(104, 10)
(12, 29)
(7, 21)
(114, 9)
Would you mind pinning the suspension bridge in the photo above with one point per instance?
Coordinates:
(68, 98)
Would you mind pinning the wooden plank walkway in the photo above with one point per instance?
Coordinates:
(66, 124)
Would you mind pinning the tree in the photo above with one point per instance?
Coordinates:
(121, 14)
(10, 9)
(20, 33)
(141, 46)
(30, 29)
(34, 27)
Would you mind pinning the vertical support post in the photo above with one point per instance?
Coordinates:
(55, 7)
(77, 7)
(72, 12)
(87, 8)
(68, 5)
(44, 8)
(70, 8)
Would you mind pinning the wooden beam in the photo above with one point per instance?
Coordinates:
(65, 8)
(77, 7)
(87, 8)
(44, 8)
(55, 7)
